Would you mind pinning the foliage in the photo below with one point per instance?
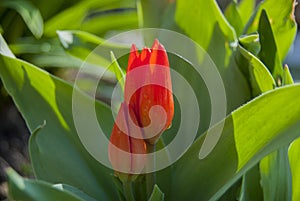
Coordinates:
(257, 155)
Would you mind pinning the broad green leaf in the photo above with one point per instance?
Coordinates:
(281, 16)
(74, 191)
(259, 77)
(249, 133)
(269, 52)
(246, 8)
(157, 194)
(214, 34)
(276, 175)
(30, 14)
(294, 152)
(233, 16)
(56, 147)
(198, 19)
(79, 16)
(28, 190)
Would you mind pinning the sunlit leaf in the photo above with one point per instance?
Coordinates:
(57, 146)
(246, 8)
(232, 14)
(282, 20)
(198, 19)
(259, 77)
(287, 77)
(250, 133)
(215, 35)
(250, 43)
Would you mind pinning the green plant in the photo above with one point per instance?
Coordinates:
(257, 155)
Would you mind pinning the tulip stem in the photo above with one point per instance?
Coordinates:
(151, 176)
(128, 192)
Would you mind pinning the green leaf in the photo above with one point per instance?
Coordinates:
(205, 14)
(74, 191)
(57, 146)
(269, 52)
(27, 190)
(216, 36)
(44, 53)
(90, 48)
(151, 11)
(276, 175)
(250, 43)
(4, 49)
(287, 77)
(246, 8)
(81, 45)
(259, 77)
(251, 188)
(157, 194)
(249, 133)
(294, 152)
(118, 71)
(275, 169)
(282, 20)
(30, 14)
(79, 16)
(233, 16)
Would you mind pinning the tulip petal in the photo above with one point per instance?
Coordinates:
(122, 146)
(133, 58)
(158, 54)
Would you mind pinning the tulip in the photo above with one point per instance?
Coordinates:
(126, 153)
(148, 86)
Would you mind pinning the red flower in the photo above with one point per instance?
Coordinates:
(147, 111)
(126, 152)
(148, 85)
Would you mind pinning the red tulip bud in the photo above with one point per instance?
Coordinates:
(148, 90)
(126, 153)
